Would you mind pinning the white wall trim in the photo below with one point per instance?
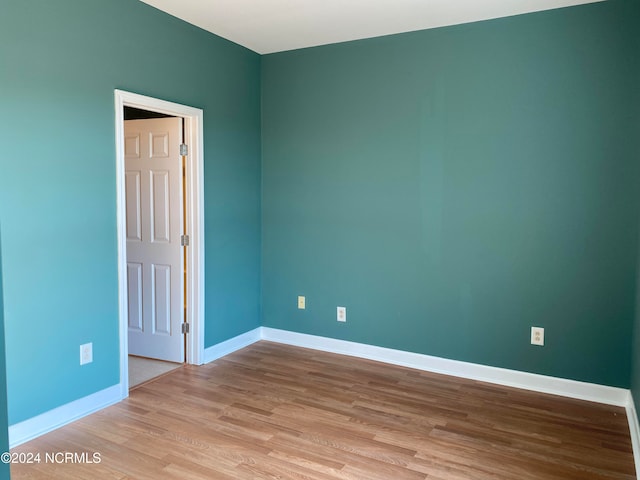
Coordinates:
(634, 430)
(29, 429)
(500, 376)
(229, 346)
(22, 432)
(195, 223)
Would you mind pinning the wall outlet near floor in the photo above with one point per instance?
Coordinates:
(342, 314)
(86, 353)
(301, 302)
(537, 336)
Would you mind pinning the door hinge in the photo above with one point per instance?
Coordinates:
(184, 240)
(185, 327)
(184, 149)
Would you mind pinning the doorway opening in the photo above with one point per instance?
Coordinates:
(187, 224)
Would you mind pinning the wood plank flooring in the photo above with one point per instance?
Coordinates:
(272, 411)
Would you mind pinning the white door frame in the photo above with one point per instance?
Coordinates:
(193, 118)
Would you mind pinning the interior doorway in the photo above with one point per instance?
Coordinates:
(154, 198)
(191, 263)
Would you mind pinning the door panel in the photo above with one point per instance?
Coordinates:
(160, 208)
(132, 191)
(134, 283)
(132, 146)
(154, 256)
(159, 145)
(161, 299)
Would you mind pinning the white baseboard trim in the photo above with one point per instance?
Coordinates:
(634, 430)
(22, 432)
(500, 376)
(29, 429)
(229, 346)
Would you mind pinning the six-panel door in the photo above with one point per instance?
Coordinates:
(153, 189)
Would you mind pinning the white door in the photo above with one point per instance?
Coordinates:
(153, 189)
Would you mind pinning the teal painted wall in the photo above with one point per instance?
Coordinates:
(61, 62)
(450, 187)
(4, 420)
(635, 369)
(454, 187)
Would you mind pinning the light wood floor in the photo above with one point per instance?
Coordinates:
(277, 412)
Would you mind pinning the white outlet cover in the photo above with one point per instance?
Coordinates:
(302, 303)
(86, 353)
(341, 314)
(537, 336)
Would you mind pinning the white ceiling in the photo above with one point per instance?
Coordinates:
(267, 26)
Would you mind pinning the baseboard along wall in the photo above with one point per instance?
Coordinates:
(22, 432)
(501, 376)
(53, 419)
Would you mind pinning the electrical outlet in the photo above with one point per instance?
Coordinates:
(342, 314)
(537, 336)
(86, 353)
(301, 302)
